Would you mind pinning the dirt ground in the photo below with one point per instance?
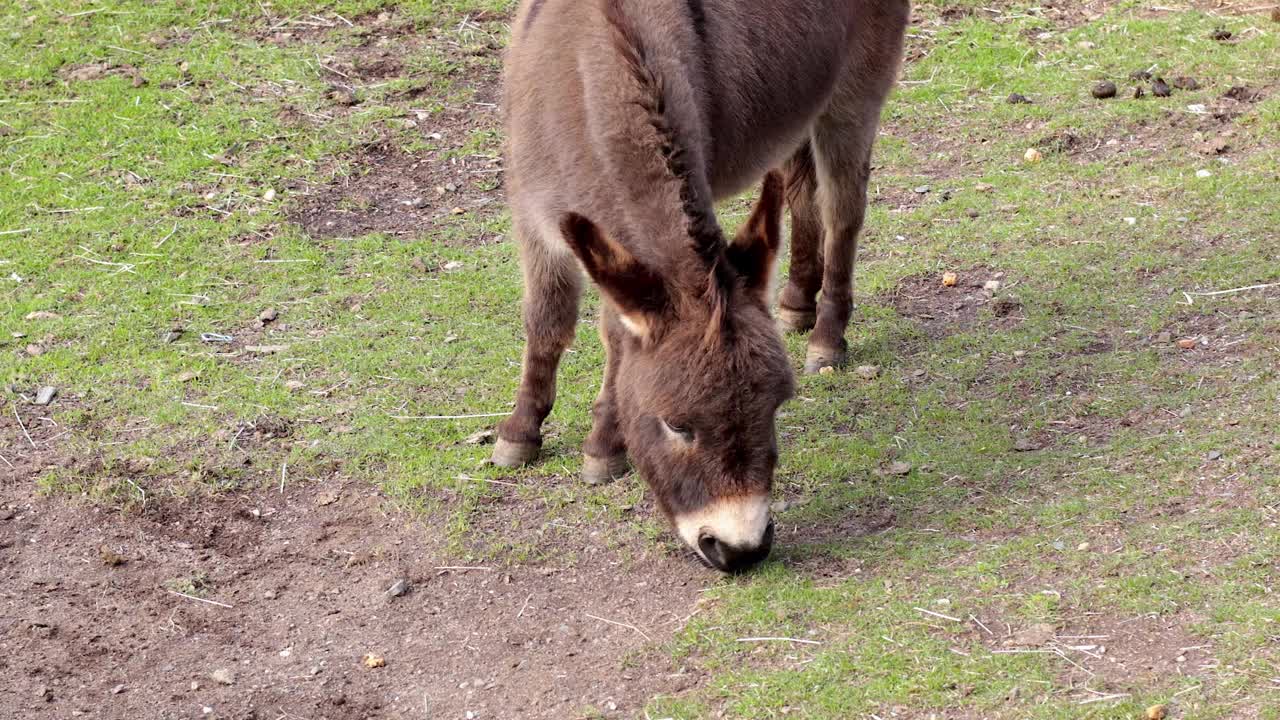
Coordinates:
(267, 605)
(288, 595)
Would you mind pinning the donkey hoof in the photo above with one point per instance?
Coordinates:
(796, 321)
(510, 454)
(818, 359)
(598, 470)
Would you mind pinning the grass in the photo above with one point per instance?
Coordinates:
(1151, 503)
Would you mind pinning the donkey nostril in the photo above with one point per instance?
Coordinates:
(731, 559)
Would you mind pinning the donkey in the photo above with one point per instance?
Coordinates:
(626, 120)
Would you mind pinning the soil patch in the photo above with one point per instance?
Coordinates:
(390, 191)
(290, 593)
(941, 310)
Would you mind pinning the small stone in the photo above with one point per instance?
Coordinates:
(294, 385)
(1203, 174)
(327, 497)
(1131, 221)
(1187, 343)
(117, 689)
(921, 190)
(266, 316)
(1157, 712)
(1086, 45)
(399, 588)
(34, 350)
(110, 557)
(223, 676)
(1214, 454)
(1032, 155)
(1082, 547)
(342, 96)
(266, 349)
(1034, 636)
(372, 661)
(992, 285)
(949, 279)
(43, 315)
(1059, 545)
(457, 211)
(269, 195)
(195, 685)
(45, 395)
(827, 370)
(898, 468)
(186, 376)
(453, 265)
(1018, 99)
(450, 187)
(269, 595)
(206, 710)
(1103, 90)
(867, 372)
(1164, 338)
(1026, 445)
(1019, 353)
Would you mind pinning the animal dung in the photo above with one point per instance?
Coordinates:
(1160, 88)
(1103, 90)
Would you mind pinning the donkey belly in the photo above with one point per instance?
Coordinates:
(771, 67)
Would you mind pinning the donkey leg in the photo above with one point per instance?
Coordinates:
(841, 140)
(605, 452)
(552, 287)
(797, 306)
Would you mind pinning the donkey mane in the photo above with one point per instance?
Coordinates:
(706, 238)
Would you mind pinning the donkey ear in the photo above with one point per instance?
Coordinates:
(639, 293)
(755, 248)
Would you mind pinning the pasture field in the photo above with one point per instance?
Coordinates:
(260, 250)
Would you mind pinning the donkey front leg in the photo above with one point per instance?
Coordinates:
(552, 287)
(604, 455)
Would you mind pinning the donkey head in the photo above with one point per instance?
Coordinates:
(701, 375)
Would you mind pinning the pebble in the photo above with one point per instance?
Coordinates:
(267, 316)
(1203, 174)
(1187, 343)
(399, 587)
(868, 372)
(453, 265)
(949, 279)
(898, 468)
(1026, 445)
(921, 190)
(1214, 454)
(1032, 155)
(269, 595)
(294, 385)
(1103, 90)
(374, 661)
(117, 689)
(223, 676)
(992, 285)
(45, 395)
(43, 315)
(827, 370)
(1083, 547)
(269, 195)
(1156, 712)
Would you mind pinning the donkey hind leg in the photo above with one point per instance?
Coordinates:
(552, 287)
(797, 304)
(842, 140)
(605, 453)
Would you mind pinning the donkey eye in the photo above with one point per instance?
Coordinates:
(684, 432)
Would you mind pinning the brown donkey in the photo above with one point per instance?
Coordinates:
(626, 120)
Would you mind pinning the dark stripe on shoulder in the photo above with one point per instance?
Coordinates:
(699, 16)
(533, 13)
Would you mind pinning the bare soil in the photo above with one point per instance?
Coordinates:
(288, 593)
